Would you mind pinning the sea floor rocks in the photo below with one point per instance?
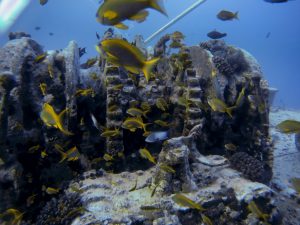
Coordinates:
(285, 166)
(131, 198)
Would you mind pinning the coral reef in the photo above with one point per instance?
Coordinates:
(97, 96)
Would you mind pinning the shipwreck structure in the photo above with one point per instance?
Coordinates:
(223, 180)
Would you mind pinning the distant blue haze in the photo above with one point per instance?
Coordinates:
(278, 55)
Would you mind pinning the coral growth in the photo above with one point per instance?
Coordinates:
(252, 168)
(61, 210)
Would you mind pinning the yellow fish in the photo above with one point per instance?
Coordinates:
(30, 200)
(34, 148)
(44, 153)
(43, 87)
(289, 126)
(206, 220)
(136, 112)
(240, 97)
(50, 190)
(111, 132)
(230, 147)
(167, 168)
(113, 12)
(50, 71)
(91, 62)
(145, 106)
(40, 58)
(118, 87)
(161, 104)
(15, 214)
(76, 189)
(107, 157)
(218, 105)
(214, 72)
(85, 92)
(112, 108)
(252, 207)
(133, 123)
(77, 211)
(161, 123)
(147, 155)
(71, 155)
(121, 53)
(51, 119)
(186, 202)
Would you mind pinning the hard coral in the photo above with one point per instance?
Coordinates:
(222, 65)
(58, 210)
(227, 59)
(251, 167)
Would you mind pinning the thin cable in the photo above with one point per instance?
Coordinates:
(185, 12)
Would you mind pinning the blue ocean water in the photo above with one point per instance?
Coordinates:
(278, 55)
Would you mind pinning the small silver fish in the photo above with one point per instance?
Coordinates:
(157, 136)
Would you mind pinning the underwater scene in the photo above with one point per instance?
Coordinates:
(141, 112)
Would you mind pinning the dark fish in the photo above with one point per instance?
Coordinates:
(276, 1)
(216, 34)
(114, 12)
(82, 51)
(51, 34)
(98, 36)
(43, 2)
(157, 136)
(37, 28)
(227, 15)
(268, 35)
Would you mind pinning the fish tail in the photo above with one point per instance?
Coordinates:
(148, 67)
(60, 124)
(145, 125)
(236, 15)
(265, 218)
(60, 150)
(229, 110)
(145, 113)
(158, 5)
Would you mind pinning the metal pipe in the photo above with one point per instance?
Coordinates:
(170, 23)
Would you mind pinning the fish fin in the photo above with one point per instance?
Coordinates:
(229, 111)
(110, 14)
(236, 15)
(100, 51)
(121, 26)
(140, 16)
(132, 69)
(148, 67)
(158, 5)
